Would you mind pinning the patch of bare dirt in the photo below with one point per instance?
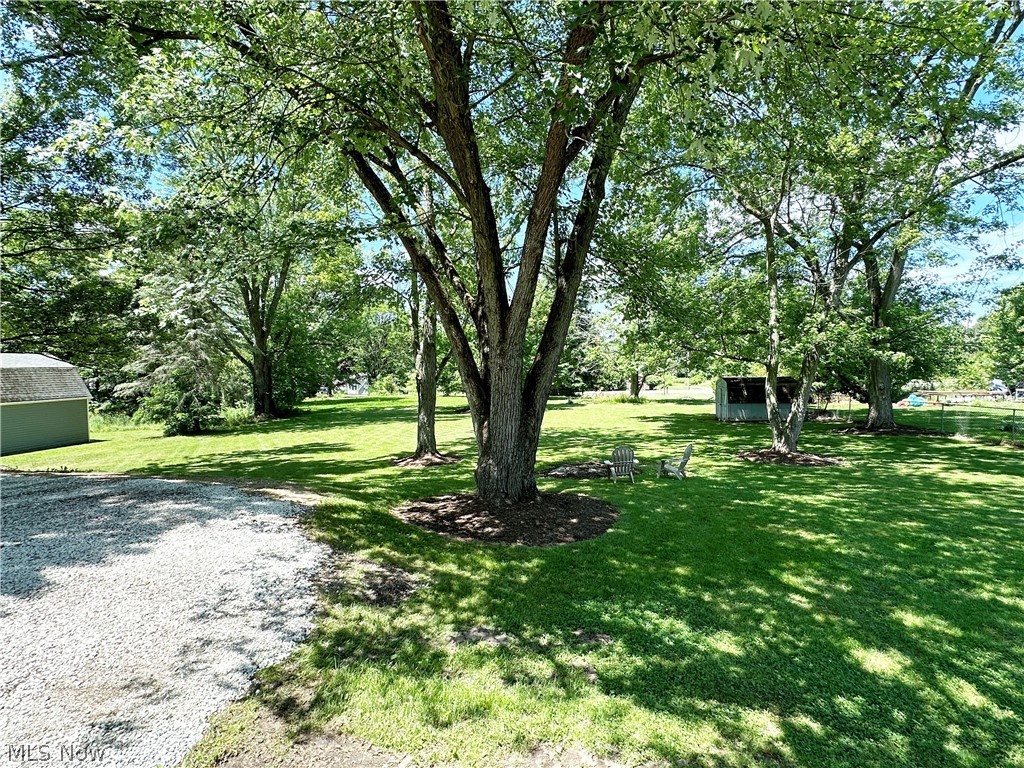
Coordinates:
(768, 456)
(368, 581)
(280, 491)
(556, 756)
(488, 635)
(430, 460)
(826, 416)
(554, 518)
(270, 740)
(591, 638)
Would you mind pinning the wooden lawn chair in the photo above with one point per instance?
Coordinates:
(677, 465)
(622, 463)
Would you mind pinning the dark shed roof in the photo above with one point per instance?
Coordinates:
(782, 379)
(24, 378)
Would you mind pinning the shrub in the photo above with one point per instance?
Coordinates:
(234, 416)
(389, 385)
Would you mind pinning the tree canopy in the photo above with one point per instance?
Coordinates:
(757, 179)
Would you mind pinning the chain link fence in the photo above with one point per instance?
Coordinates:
(996, 422)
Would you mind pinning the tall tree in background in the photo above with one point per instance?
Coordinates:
(395, 273)
(925, 338)
(231, 243)
(937, 129)
(1001, 335)
(841, 144)
(69, 184)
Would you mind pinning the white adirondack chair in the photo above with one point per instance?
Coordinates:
(677, 465)
(622, 463)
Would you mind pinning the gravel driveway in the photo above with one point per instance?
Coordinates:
(132, 609)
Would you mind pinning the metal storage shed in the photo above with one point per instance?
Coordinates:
(43, 404)
(743, 398)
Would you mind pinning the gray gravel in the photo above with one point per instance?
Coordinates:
(133, 609)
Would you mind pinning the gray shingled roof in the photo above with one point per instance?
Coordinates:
(38, 377)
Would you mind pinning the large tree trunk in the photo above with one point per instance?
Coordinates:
(426, 383)
(880, 412)
(882, 295)
(634, 384)
(786, 429)
(262, 385)
(506, 439)
(800, 403)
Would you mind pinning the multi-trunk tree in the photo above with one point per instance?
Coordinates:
(511, 111)
(849, 139)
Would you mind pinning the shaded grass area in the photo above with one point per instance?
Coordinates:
(866, 614)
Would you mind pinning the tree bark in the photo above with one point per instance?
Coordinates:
(634, 384)
(425, 338)
(882, 295)
(506, 437)
(880, 412)
(263, 385)
(782, 440)
(785, 429)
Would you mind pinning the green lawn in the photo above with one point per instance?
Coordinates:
(864, 615)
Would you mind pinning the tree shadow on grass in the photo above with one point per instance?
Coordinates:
(868, 614)
(323, 467)
(861, 615)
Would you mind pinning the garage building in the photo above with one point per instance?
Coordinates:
(43, 404)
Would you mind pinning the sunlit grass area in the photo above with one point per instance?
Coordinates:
(870, 614)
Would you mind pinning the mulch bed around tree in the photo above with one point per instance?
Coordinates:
(588, 470)
(555, 518)
(584, 471)
(768, 456)
(911, 431)
(430, 460)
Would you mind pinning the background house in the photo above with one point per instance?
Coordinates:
(43, 404)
